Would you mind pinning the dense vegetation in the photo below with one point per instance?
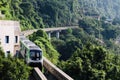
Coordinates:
(87, 53)
(93, 63)
(13, 68)
(90, 52)
(106, 8)
(22, 10)
(48, 13)
(85, 57)
(37, 13)
(105, 32)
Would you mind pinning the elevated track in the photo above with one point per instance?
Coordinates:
(28, 32)
(37, 75)
(53, 70)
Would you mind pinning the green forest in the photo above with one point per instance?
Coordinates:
(89, 52)
(41, 13)
(13, 68)
(54, 13)
(106, 8)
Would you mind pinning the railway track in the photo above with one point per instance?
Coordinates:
(55, 71)
(36, 74)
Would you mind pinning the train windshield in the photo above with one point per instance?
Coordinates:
(35, 54)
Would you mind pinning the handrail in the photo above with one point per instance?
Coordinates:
(38, 74)
(59, 74)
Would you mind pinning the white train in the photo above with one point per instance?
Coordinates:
(31, 53)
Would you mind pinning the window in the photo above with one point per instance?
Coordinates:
(16, 39)
(8, 52)
(7, 39)
(35, 55)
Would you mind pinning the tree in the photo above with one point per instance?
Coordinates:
(12, 68)
(92, 63)
(1, 52)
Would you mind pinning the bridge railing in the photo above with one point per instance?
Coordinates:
(59, 74)
(38, 74)
(28, 32)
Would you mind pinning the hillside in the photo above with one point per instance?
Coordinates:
(88, 52)
(49, 13)
(41, 13)
(106, 8)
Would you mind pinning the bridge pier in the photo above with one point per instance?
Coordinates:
(49, 35)
(58, 34)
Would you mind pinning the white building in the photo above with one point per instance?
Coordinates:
(9, 36)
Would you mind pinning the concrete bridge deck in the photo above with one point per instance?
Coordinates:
(28, 32)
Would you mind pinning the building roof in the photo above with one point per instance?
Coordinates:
(9, 23)
(29, 44)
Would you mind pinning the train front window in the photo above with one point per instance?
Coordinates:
(32, 54)
(35, 54)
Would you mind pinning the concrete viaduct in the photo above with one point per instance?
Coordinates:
(49, 31)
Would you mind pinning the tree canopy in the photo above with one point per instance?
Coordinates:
(93, 63)
(13, 68)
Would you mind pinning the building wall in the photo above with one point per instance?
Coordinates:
(17, 32)
(11, 29)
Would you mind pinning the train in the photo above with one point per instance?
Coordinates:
(31, 53)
